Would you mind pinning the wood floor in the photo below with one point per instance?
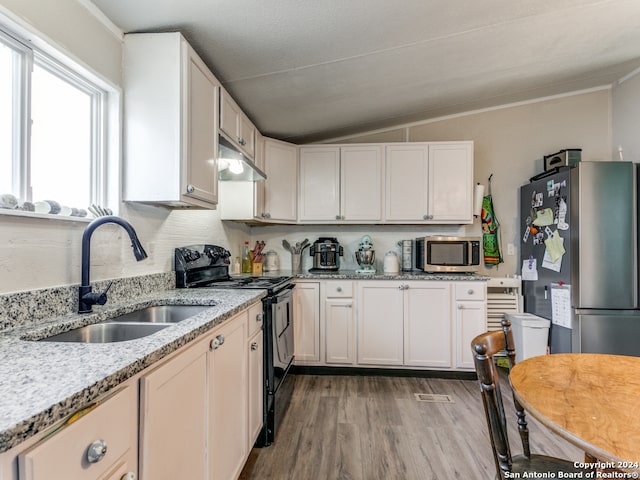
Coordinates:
(373, 428)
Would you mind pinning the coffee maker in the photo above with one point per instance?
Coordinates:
(326, 253)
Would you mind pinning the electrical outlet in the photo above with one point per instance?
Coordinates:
(511, 249)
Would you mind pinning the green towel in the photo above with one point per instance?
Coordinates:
(490, 246)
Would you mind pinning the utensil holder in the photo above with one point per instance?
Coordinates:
(296, 263)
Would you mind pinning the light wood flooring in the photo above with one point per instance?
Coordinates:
(373, 428)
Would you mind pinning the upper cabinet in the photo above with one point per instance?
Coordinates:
(280, 192)
(235, 125)
(429, 183)
(341, 184)
(170, 123)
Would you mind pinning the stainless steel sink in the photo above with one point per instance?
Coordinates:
(161, 314)
(106, 332)
(130, 326)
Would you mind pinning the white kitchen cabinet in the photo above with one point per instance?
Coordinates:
(256, 374)
(429, 183)
(95, 446)
(235, 125)
(380, 323)
(280, 188)
(228, 394)
(471, 319)
(306, 323)
(170, 123)
(341, 184)
(428, 324)
(339, 321)
(173, 444)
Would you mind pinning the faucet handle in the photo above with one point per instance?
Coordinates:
(93, 298)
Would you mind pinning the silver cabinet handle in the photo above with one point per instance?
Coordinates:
(460, 307)
(470, 291)
(339, 289)
(96, 451)
(254, 345)
(337, 217)
(259, 317)
(129, 476)
(216, 342)
(191, 189)
(343, 217)
(401, 287)
(425, 217)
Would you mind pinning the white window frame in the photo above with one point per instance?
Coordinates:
(102, 101)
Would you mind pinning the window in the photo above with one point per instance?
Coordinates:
(52, 129)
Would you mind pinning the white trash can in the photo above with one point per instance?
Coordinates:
(530, 334)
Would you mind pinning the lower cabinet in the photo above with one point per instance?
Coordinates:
(173, 417)
(380, 323)
(339, 320)
(99, 445)
(256, 387)
(228, 410)
(306, 324)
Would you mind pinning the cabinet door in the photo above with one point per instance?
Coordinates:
(111, 424)
(229, 114)
(361, 183)
(281, 167)
(228, 408)
(428, 324)
(339, 330)
(258, 193)
(256, 386)
(406, 172)
(247, 136)
(451, 182)
(471, 320)
(319, 184)
(306, 323)
(380, 323)
(174, 445)
(200, 105)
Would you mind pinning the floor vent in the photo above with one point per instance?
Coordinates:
(433, 398)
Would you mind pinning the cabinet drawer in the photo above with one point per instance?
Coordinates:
(338, 289)
(64, 455)
(471, 291)
(255, 319)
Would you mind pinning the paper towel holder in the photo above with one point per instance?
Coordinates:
(478, 195)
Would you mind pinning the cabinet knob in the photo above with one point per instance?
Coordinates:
(129, 476)
(191, 189)
(216, 342)
(337, 217)
(425, 217)
(254, 345)
(96, 451)
(460, 307)
(470, 291)
(339, 289)
(259, 317)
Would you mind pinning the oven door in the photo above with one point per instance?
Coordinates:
(282, 332)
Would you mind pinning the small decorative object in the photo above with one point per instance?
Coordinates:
(42, 207)
(256, 268)
(54, 207)
(8, 201)
(78, 212)
(27, 207)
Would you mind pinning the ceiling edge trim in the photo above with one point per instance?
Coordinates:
(628, 76)
(102, 18)
(480, 110)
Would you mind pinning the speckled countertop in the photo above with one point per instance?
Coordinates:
(42, 383)
(352, 275)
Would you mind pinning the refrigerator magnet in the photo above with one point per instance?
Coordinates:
(525, 237)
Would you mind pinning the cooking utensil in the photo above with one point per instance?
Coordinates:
(286, 244)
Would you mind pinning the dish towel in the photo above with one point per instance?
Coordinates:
(490, 243)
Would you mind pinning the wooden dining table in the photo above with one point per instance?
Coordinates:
(591, 400)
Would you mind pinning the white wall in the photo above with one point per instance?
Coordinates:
(626, 117)
(36, 253)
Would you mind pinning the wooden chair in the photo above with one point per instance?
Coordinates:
(484, 348)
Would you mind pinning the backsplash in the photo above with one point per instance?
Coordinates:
(32, 307)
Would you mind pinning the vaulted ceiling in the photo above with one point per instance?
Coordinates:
(306, 70)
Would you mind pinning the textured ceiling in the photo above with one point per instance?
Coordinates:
(306, 70)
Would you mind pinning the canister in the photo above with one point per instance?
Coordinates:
(407, 255)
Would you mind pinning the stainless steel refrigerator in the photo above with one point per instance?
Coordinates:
(593, 210)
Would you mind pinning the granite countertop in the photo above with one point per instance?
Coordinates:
(42, 383)
(353, 275)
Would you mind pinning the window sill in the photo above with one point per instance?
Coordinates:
(44, 216)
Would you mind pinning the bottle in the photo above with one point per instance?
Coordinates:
(236, 265)
(246, 259)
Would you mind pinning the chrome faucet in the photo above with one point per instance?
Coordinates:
(86, 297)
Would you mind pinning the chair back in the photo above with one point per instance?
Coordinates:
(485, 347)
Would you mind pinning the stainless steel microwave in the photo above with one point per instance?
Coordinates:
(448, 254)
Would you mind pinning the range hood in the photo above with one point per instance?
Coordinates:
(233, 166)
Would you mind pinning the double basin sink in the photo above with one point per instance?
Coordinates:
(130, 326)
